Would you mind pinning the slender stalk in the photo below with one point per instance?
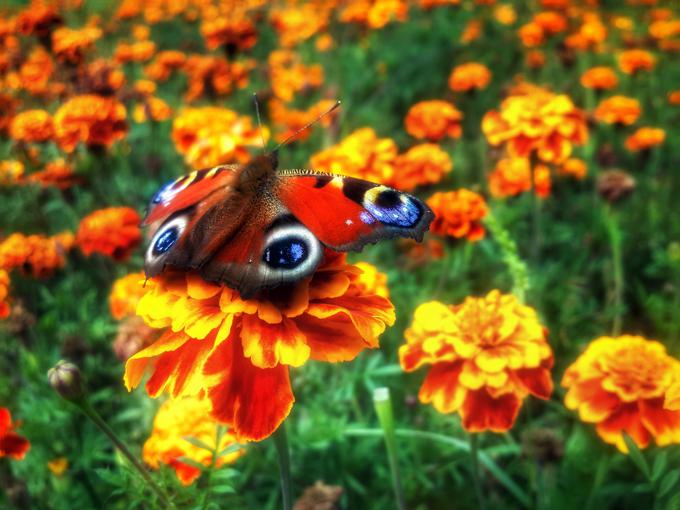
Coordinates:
(535, 213)
(283, 453)
(93, 415)
(219, 431)
(516, 266)
(615, 240)
(383, 408)
(474, 455)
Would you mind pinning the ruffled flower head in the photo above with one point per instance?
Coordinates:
(237, 352)
(487, 355)
(458, 214)
(32, 126)
(433, 120)
(618, 110)
(11, 444)
(113, 232)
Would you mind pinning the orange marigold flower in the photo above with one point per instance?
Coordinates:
(374, 13)
(288, 75)
(125, 295)
(113, 232)
(599, 78)
(458, 214)
(35, 72)
(620, 385)
(618, 110)
(470, 76)
(590, 34)
(11, 171)
(32, 126)
(11, 444)
(58, 466)
(100, 77)
(38, 18)
(36, 255)
(471, 32)
(421, 165)
(233, 32)
(4, 294)
(175, 421)
(535, 59)
(238, 353)
(164, 63)
(512, 176)
(56, 173)
(294, 120)
(645, 138)
(209, 136)
(433, 120)
(430, 4)
(93, 120)
(139, 51)
(362, 154)
(420, 254)
(531, 34)
(372, 281)
(297, 23)
(551, 22)
(487, 355)
(664, 29)
(152, 108)
(674, 97)
(632, 61)
(573, 167)
(70, 45)
(215, 75)
(539, 122)
(505, 14)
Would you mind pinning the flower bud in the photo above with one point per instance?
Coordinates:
(66, 379)
(614, 185)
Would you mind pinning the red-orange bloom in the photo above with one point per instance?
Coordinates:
(599, 78)
(421, 165)
(470, 76)
(292, 120)
(620, 385)
(374, 13)
(35, 72)
(11, 444)
(35, 254)
(512, 176)
(32, 126)
(4, 294)
(70, 45)
(232, 32)
(214, 75)
(618, 110)
(487, 355)
(458, 214)
(238, 353)
(113, 232)
(56, 173)
(645, 138)
(539, 122)
(93, 120)
(632, 61)
(433, 120)
(125, 295)
(288, 75)
(164, 63)
(573, 167)
(38, 18)
(139, 51)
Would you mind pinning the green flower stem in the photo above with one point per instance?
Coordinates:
(219, 432)
(516, 266)
(383, 408)
(474, 456)
(283, 453)
(616, 243)
(93, 415)
(535, 213)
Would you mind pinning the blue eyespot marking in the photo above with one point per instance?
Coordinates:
(286, 253)
(164, 193)
(165, 241)
(392, 208)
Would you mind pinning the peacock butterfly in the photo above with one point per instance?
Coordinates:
(254, 227)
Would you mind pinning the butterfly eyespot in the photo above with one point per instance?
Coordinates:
(165, 241)
(287, 253)
(392, 208)
(290, 250)
(161, 244)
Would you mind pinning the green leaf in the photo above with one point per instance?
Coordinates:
(668, 482)
(198, 443)
(636, 455)
(232, 448)
(660, 464)
(674, 502)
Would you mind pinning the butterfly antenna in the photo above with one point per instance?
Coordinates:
(294, 135)
(259, 120)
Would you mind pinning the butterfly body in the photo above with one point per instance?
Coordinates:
(252, 227)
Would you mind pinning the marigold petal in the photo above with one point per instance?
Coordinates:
(136, 364)
(13, 445)
(442, 389)
(626, 418)
(333, 339)
(662, 423)
(536, 381)
(185, 473)
(198, 288)
(268, 345)
(481, 411)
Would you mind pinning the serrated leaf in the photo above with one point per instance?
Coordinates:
(230, 449)
(198, 443)
(660, 464)
(674, 502)
(636, 455)
(668, 482)
(223, 489)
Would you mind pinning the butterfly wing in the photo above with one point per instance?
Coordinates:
(346, 213)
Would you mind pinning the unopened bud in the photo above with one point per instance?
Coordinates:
(66, 379)
(614, 185)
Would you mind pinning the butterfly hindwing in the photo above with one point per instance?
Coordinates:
(346, 213)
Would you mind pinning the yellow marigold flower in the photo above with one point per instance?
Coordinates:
(293, 120)
(632, 61)
(374, 13)
(238, 353)
(297, 23)
(512, 176)
(573, 167)
(362, 154)
(113, 232)
(141, 32)
(36, 71)
(58, 466)
(433, 120)
(209, 136)
(125, 295)
(532, 35)
(618, 110)
(372, 281)
(645, 138)
(421, 165)
(11, 171)
(70, 45)
(620, 385)
(4, 294)
(176, 420)
(458, 214)
(471, 32)
(672, 400)
(289, 75)
(538, 122)
(470, 76)
(232, 32)
(139, 51)
(487, 355)
(152, 108)
(35, 255)
(32, 126)
(93, 120)
(599, 78)
(505, 14)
